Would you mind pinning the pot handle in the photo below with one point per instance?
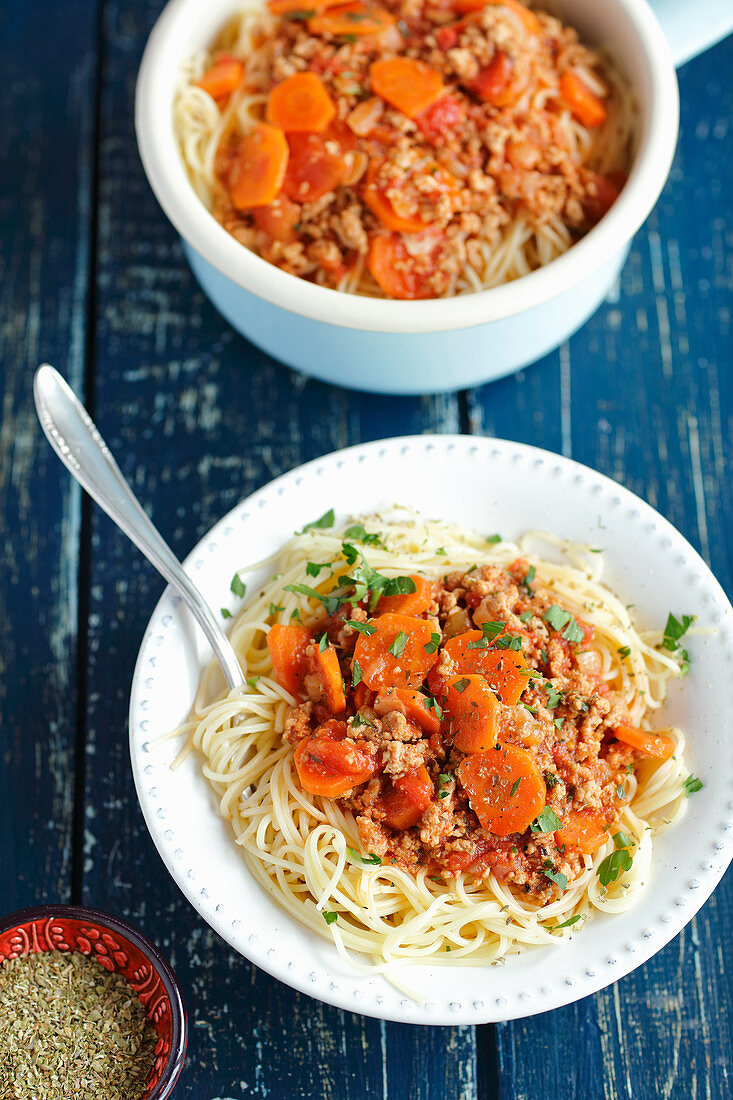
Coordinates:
(690, 29)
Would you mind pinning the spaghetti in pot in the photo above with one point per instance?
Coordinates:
(443, 834)
(407, 150)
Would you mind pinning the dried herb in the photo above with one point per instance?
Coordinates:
(71, 1030)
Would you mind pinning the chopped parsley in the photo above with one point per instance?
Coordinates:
(527, 582)
(622, 840)
(558, 878)
(238, 587)
(551, 780)
(349, 552)
(554, 696)
(673, 631)
(461, 685)
(323, 642)
(624, 651)
(328, 518)
(358, 531)
(546, 822)
(508, 641)
(362, 628)
(359, 720)
(567, 923)
(226, 613)
(356, 674)
(398, 644)
(370, 859)
(691, 785)
(563, 621)
(612, 866)
(430, 703)
(515, 787)
(399, 586)
(525, 616)
(494, 538)
(443, 780)
(274, 608)
(313, 568)
(330, 917)
(559, 722)
(253, 681)
(331, 603)
(433, 645)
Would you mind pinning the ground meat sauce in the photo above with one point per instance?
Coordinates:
(434, 127)
(404, 755)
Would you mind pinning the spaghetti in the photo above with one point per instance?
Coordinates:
(431, 150)
(388, 896)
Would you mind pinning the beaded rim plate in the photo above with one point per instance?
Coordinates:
(491, 485)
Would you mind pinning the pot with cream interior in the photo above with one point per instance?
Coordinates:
(391, 346)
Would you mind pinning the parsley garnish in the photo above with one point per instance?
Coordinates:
(515, 787)
(554, 696)
(494, 538)
(557, 877)
(238, 587)
(370, 859)
(328, 518)
(546, 822)
(443, 780)
(274, 608)
(673, 631)
(350, 552)
(691, 785)
(551, 780)
(622, 840)
(612, 866)
(355, 673)
(226, 613)
(329, 917)
(432, 704)
(624, 651)
(398, 644)
(508, 641)
(358, 531)
(433, 645)
(526, 583)
(331, 603)
(563, 621)
(559, 722)
(461, 685)
(359, 720)
(399, 586)
(363, 628)
(253, 681)
(567, 923)
(313, 568)
(525, 616)
(442, 551)
(323, 643)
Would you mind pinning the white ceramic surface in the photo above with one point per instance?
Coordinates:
(493, 486)
(340, 337)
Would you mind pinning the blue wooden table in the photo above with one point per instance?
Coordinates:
(93, 279)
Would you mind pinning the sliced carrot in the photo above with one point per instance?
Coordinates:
(363, 697)
(504, 669)
(402, 635)
(350, 19)
(326, 668)
(529, 19)
(645, 741)
(278, 220)
(504, 788)
(330, 764)
(399, 274)
(584, 104)
(494, 83)
(300, 104)
(413, 704)
(405, 217)
(474, 710)
(258, 168)
(224, 77)
(584, 829)
(380, 205)
(409, 85)
(407, 799)
(312, 171)
(411, 603)
(287, 646)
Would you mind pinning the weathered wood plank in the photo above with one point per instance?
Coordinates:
(46, 147)
(199, 419)
(643, 393)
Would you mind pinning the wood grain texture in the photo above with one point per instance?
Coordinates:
(44, 258)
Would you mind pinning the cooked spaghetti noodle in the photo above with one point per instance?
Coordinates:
(308, 851)
(525, 147)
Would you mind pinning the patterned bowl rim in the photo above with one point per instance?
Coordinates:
(179, 1030)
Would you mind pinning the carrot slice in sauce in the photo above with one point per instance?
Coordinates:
(529, 19)
(584, 829)
(300, 104)
(651, 744)
(224, 77)
(380, 205)
(409, 85)
(411, 603)
(504, 788)
(474, 711)
(326, 668)
(413, 704)
(394, 655)
(258, 168)
(407, 799)
(584, 104)
(330, 764)
(350, 19)
(287, 646)
(312, 170)
(504, 669)
(397, 272)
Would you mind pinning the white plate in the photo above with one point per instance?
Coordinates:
(493, 486)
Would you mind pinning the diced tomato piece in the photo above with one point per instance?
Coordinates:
(330, 764)
(405, 801)
(445, 115)
(494, 81)
(312, 170)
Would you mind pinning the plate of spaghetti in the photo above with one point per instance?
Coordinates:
(404, 150)
(474, 772)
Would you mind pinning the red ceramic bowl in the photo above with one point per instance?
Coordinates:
(120, 948)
